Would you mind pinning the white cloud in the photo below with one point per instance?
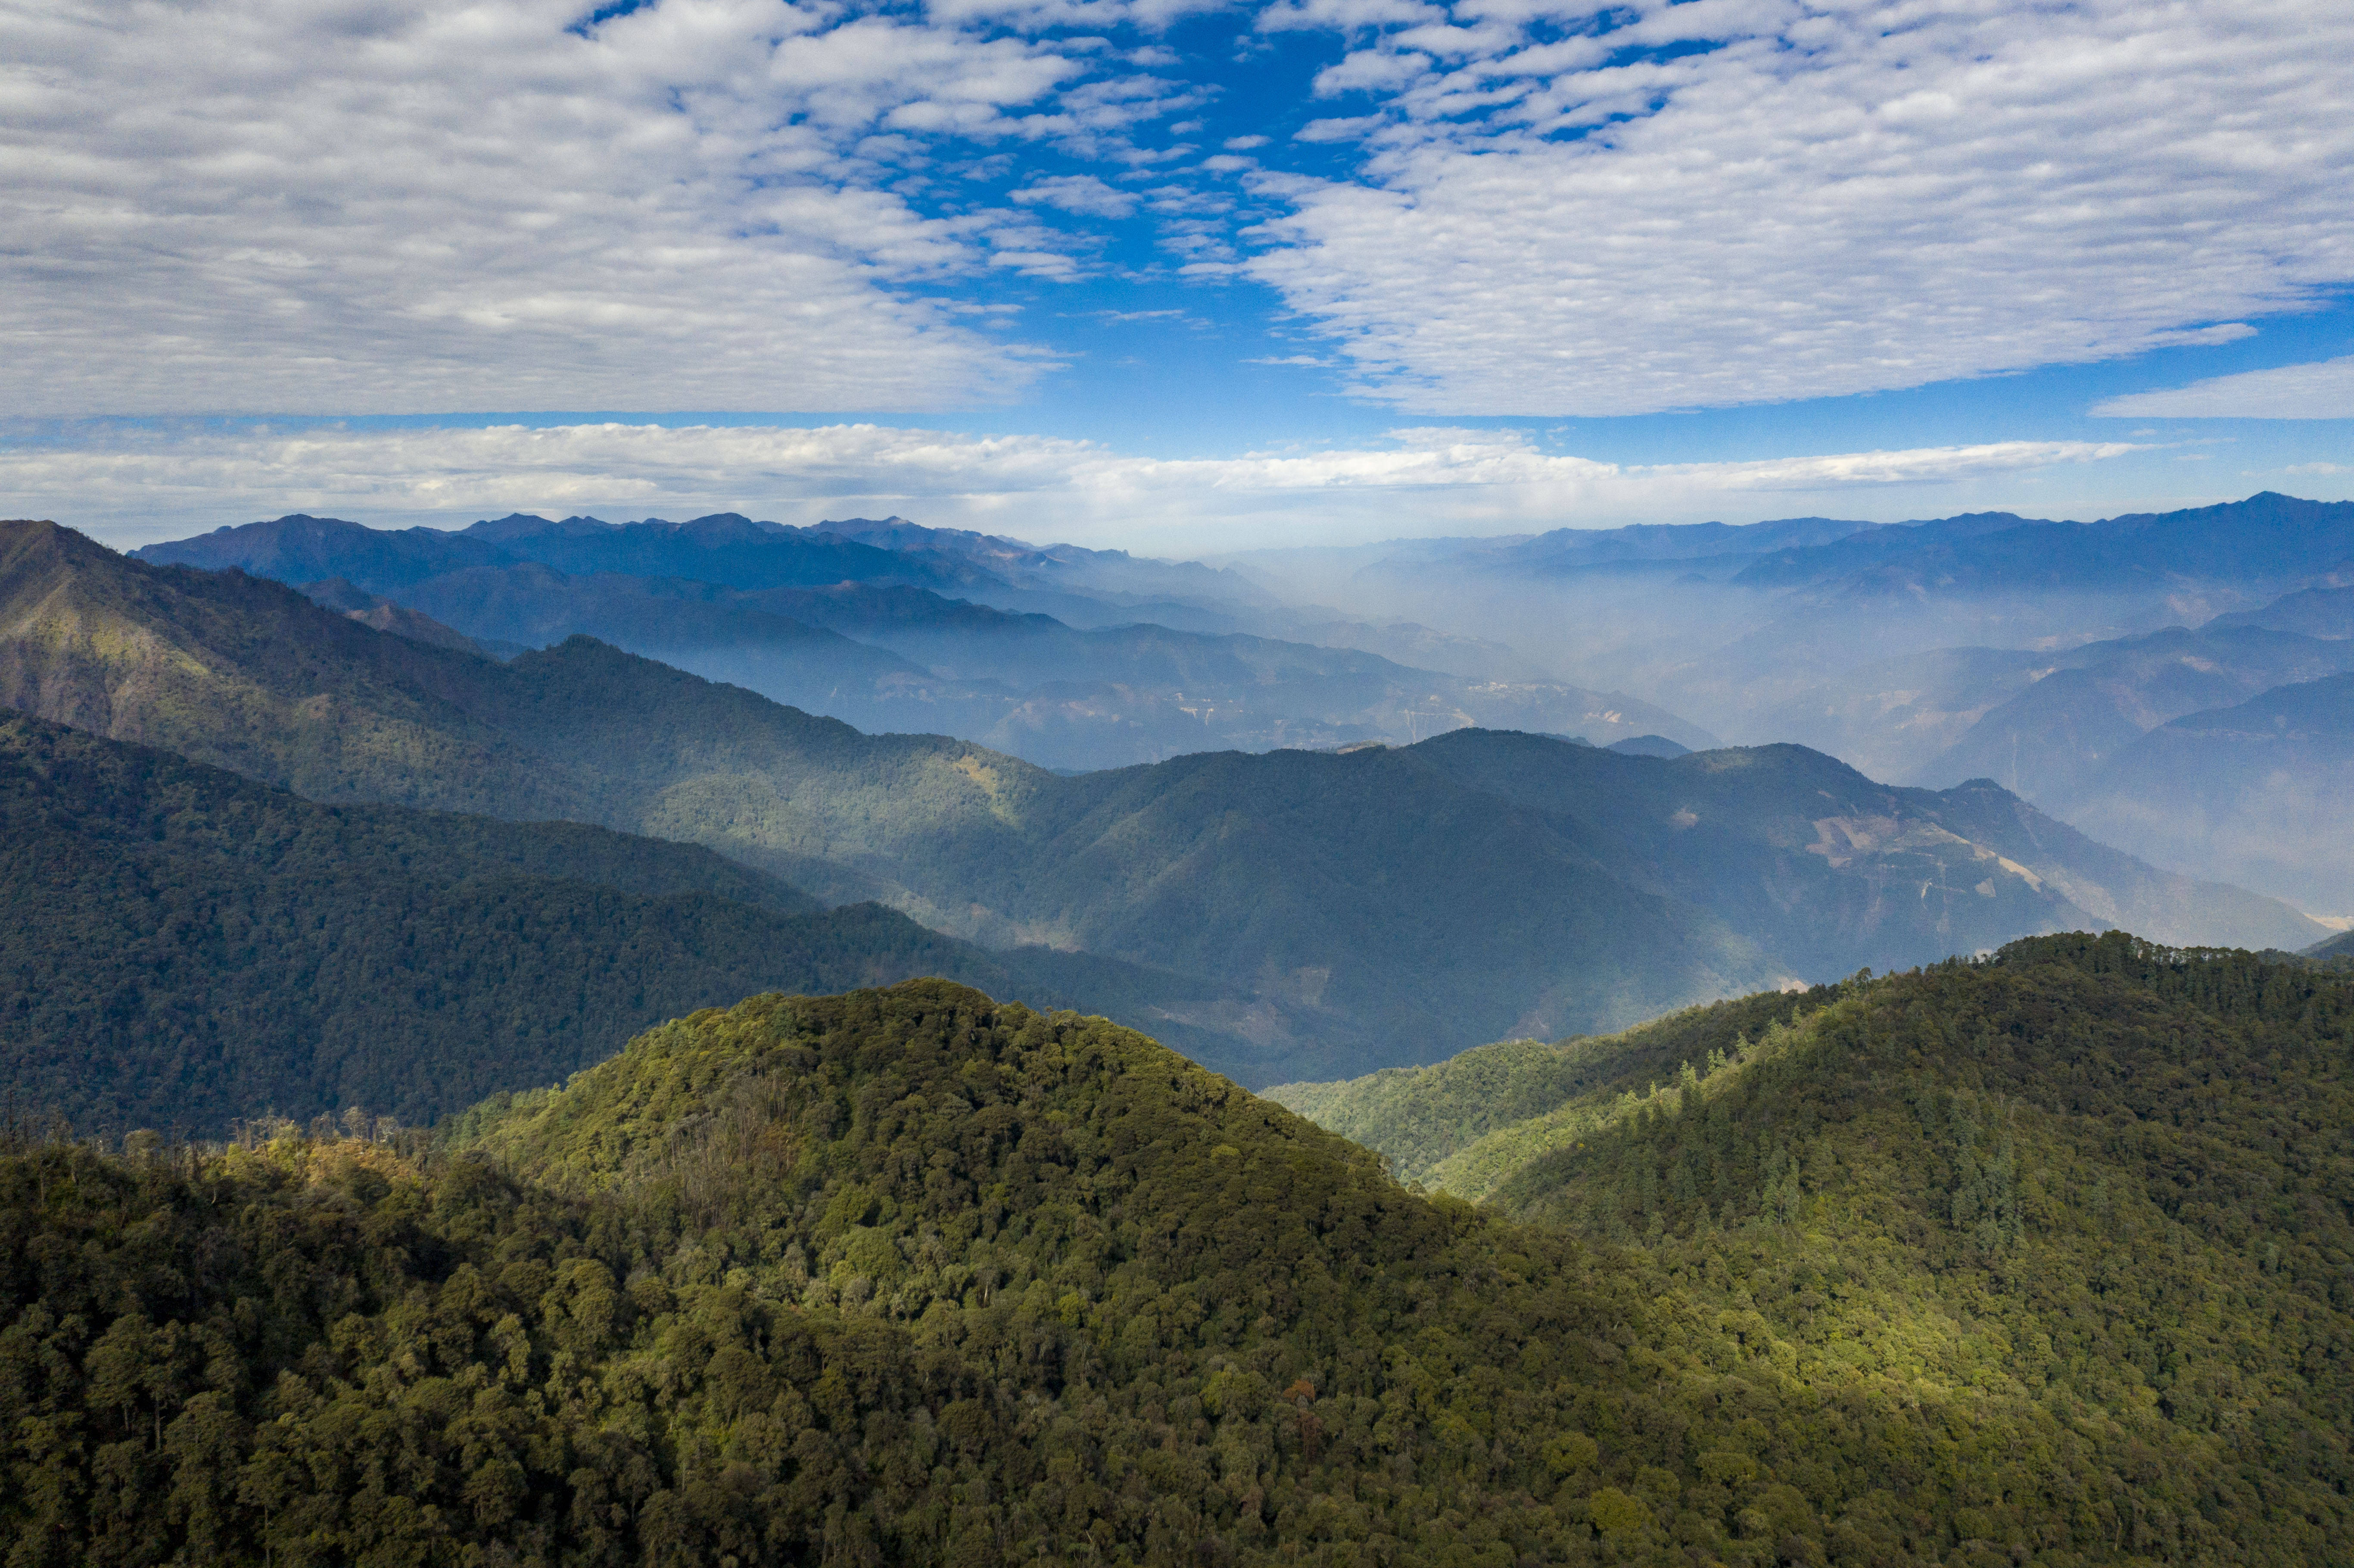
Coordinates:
(309, 204)
(129, 484)
(1081, 194)
(1840, 197)
(1345, 16)
(1370, 70)
(2322, 391)
(342, 207)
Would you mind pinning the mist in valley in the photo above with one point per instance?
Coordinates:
(2163, 684)
(2176, 702)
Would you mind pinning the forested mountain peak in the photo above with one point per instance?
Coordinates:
(911, 1276)
(2092, 1175)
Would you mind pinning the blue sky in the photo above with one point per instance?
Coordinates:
(1184, 276)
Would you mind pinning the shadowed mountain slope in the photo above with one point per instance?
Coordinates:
(375, 610)
(181, 947)
(1835, 870)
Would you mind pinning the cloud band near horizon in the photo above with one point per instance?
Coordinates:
(132, 484)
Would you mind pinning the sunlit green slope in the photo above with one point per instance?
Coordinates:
(1422, 1117)
(909, 1277)
(2092, 1178)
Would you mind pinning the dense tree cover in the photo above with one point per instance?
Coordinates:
(1420, 1116)
(180, 946)
(910, 1276)
(2090, 1178)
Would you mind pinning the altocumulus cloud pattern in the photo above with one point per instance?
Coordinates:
(334, 205)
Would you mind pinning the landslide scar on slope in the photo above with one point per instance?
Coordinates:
(983, 774)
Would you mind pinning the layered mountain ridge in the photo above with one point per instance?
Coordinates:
(927, 631)
(1387, 906)
(2032, 651)
(2033, 1255)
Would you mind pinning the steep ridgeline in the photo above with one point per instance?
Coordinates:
(909, 1276)
(1338, 912)
(2090, 1178)
(248, 675)
(877, 647)
(180, 946)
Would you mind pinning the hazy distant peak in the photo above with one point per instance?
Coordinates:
(299, 548)
(525, 526)
(2318, 709)
(897, 533)
(1648, 746)
(2326, 610)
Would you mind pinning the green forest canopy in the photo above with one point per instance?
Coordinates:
(180, 946)
(909, 1276)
